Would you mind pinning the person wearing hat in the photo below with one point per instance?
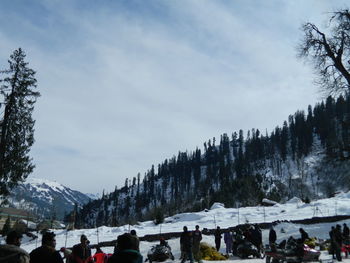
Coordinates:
(126, 250)
(11, 252)
(47, 251)
(81, 252)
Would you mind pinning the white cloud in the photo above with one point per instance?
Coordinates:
(124, 88)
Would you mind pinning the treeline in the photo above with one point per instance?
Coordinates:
(238, 170)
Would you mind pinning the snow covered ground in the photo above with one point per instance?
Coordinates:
(217, 215)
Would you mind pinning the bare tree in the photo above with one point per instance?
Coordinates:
(329, 51)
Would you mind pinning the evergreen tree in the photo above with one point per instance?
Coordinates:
(17, 125)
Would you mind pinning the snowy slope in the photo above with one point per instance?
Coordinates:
(223, 217)
(43, 197)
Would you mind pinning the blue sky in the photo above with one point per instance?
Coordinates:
(127, 84)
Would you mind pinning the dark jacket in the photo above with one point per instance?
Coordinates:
(346, 231)
(126, 256)
(337, 236)
(80, 253)
(45, 254)
(304, 236)
(217, 235)
(256, 237)
(186, 239)
(197, 237)
(272, 236)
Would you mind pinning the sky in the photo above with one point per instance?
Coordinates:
(218, 215)
(127, 84)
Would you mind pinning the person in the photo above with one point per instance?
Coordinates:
(133, 233)
(186, 242)
(163, 242)
(346, 233)
(272, 238)
(237, 239)
(247, 233)
(218, 237)
(11, 251)
(331, 237)
(228, 239)
(197, 237)
(47, 251)
(81, 252)
(98, 257)
(256, 237)
(126, 250)
(304, 235)
(337, 241)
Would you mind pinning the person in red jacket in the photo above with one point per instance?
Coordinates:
(98, 257)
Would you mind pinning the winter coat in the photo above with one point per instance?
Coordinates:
(126, 256)
(45, 254)
(256, 237)
(337, 236)
(217, 235)
(228, 238)
(346, 231)
(186, 239)
(304, 236)
(197, 237)
(272, 236)
(13, 254)
(98, 258)
(80, 254)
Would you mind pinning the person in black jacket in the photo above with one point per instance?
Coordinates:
(186, 243)
(337, 241)
(346, 233)
(256, 237)
(272, 236)
(331, 237)
(304, 235)
(81, 251)
(47, 252)
(218, 237)
(126, 250)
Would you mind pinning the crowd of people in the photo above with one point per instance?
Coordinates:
(127, 247)
(126, 250)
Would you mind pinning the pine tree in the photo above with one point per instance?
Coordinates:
(17, 125)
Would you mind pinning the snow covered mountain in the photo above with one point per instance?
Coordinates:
(46, 198)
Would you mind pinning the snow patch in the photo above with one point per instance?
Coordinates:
(217, 206)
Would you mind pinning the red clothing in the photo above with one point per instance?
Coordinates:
(98, 258)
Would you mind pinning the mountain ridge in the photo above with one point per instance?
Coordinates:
(308, 157)
(45, 198)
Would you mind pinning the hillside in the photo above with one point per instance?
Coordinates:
(308, 157)
(45, 198)
(218, 215)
